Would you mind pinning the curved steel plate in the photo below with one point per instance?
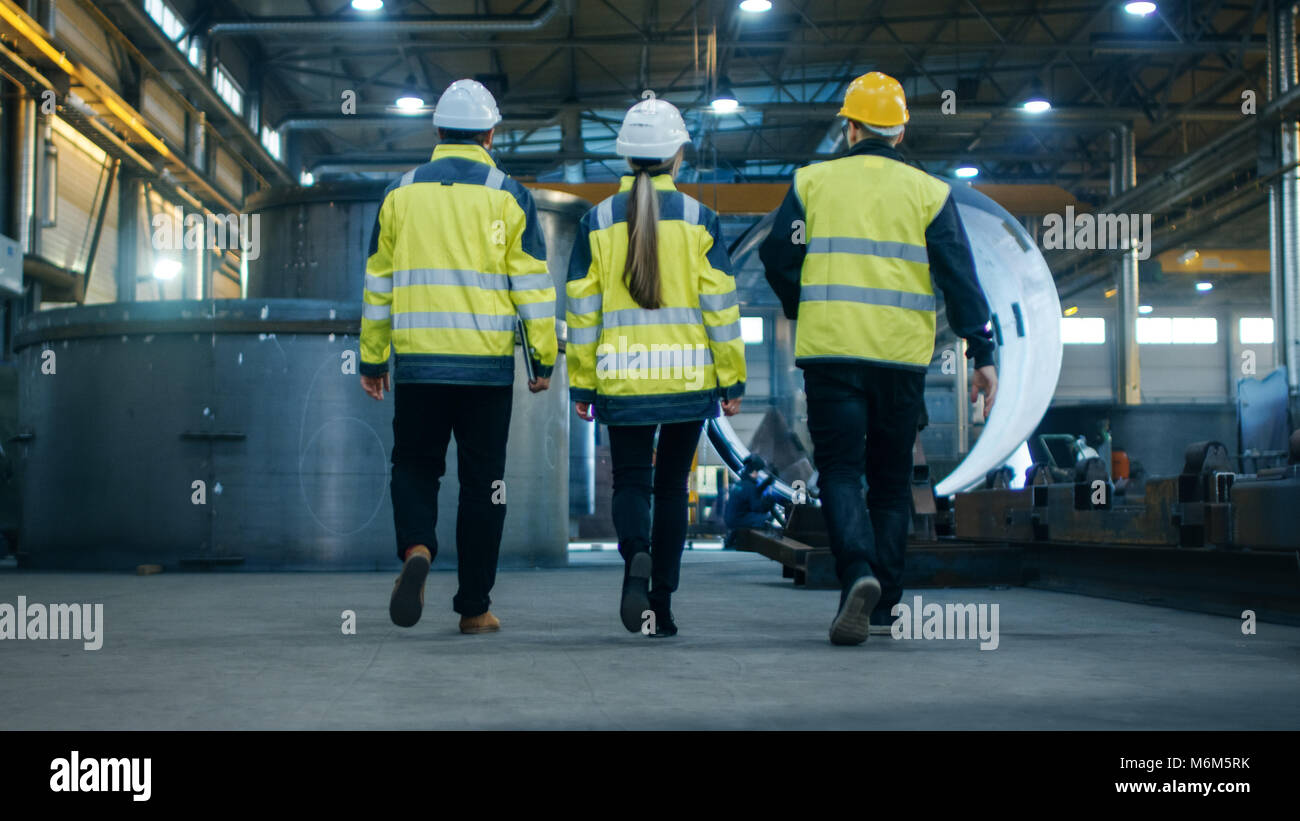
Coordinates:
(1027, 320)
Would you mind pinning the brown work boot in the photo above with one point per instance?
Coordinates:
(407, 601)
(485, 623)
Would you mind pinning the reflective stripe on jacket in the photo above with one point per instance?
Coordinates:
(646, 366)
(456, 253)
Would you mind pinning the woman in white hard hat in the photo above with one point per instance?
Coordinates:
(654, 347)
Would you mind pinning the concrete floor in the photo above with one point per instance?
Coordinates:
(265, 651)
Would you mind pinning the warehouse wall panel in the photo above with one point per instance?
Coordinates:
(82, 176)
(1183, 372)
(1088, 371)
(229, 174)
(164, 112)
(79, 33)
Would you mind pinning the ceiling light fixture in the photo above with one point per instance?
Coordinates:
(724, 99)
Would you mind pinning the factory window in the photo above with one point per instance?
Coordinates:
(1083, 330)
(226, 89)
(171, 24)
(271, 141)
(751, 329)
(1177, 330)
(1153, 330)
(1256, 330)
(167, 20)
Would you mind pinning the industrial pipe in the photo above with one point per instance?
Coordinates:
(329, 122)
(352, 26)
(24, 179)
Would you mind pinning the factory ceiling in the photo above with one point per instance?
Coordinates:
(1176, 77)
(1181, 81)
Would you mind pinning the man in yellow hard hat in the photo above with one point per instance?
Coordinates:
(855, 253)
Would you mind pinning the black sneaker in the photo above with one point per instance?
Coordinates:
(636, 592)
(852, 624)
(665, 627)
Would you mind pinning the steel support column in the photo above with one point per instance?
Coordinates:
(128, 236)
(571, 143)
(1284, 199)
(24, 171)
(1128, 370)
(26, 179)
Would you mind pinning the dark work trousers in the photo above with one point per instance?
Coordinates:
(643, 471)
(862, 419)
(424, 420)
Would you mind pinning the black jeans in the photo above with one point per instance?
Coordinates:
(424, 420)
(643, 471)
(862, 419)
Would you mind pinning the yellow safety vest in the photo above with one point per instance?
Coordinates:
(457, 252)
(865, 289)
(670, 364)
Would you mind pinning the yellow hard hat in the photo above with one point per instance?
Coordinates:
(875, 99)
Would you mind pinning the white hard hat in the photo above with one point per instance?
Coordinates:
(466, 106)
(652, 129)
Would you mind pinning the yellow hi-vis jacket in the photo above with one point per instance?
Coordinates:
(456, 253)
(855, 253)
(643, 366)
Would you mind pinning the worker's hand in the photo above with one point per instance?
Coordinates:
(985, 382)
(584, 410)
(375, 386)
(539, 384)
(731, 407)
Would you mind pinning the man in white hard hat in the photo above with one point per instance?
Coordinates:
(456, 254)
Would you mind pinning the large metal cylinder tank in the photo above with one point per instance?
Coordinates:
(315, 240)
(234, 433)
(315, 229)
